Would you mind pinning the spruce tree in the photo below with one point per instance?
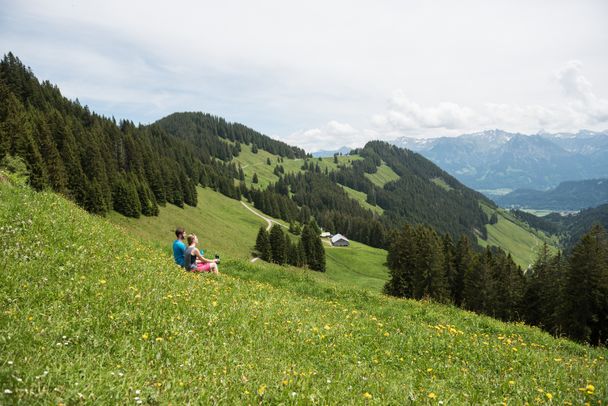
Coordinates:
(586, 291)
(262, 245)
(277, 245)
(475, 295)
(255, 178)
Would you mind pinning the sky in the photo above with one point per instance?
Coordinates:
(326, 74)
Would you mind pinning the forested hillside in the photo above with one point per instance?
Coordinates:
(104, 165)
(571, 195)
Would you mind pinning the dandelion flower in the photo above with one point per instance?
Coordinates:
(511, 382)
(144, 336)
(432, 395)
(262, 390)
(549, 395)
(367, 395)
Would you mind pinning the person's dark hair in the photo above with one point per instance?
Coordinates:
(179, 231)
(191, 239)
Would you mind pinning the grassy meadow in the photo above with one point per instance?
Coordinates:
(223, 225)
(227, 228)
(257, 163)
(516, 238)
(383, 175)
(362, 199)
(94, 314)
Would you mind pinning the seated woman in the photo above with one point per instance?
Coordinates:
(195, 261)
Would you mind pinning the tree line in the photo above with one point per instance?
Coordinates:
(277, 247)
(566, 295)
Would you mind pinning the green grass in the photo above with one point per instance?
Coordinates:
(357, 265)
(384, 175)
(223, 225)
(362, 199)
(441, 183)
(256, 163)
(516, 238)
(92, 314)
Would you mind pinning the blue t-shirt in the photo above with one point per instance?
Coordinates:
(178, 252)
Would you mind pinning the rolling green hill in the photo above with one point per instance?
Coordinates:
(94, 314)
(509, 233)
(227, 228)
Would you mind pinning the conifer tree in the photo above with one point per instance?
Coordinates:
(277, 245)
(255, 178)
(464, 260)
(586, 290)
(262, 245)
(476, 284)
(429, 277)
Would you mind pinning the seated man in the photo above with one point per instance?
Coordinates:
(179, 247)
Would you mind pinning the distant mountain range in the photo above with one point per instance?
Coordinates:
(325, 154)
(497, 159)
(571, 195)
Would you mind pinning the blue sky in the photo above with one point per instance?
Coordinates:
(322, 74)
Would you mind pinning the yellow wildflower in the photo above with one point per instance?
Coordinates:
(262, 390)
(431, 395)
(511, 382)
(549, 395)
(144, 336)
(367, 395)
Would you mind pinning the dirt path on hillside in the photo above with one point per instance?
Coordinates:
(269, 221)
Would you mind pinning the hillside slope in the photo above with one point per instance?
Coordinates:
(93, 315)
(225, 227)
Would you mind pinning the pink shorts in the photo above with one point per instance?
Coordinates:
(203, 267)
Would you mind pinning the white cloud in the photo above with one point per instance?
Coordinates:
(332, 135)
(580, 109)
(580, 92)
(404, 114)
(278, 67)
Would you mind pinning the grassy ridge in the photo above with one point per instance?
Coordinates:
(256, 163)
(90, 314)
(515, 238)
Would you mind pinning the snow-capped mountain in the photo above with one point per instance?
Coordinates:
(497, 159)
